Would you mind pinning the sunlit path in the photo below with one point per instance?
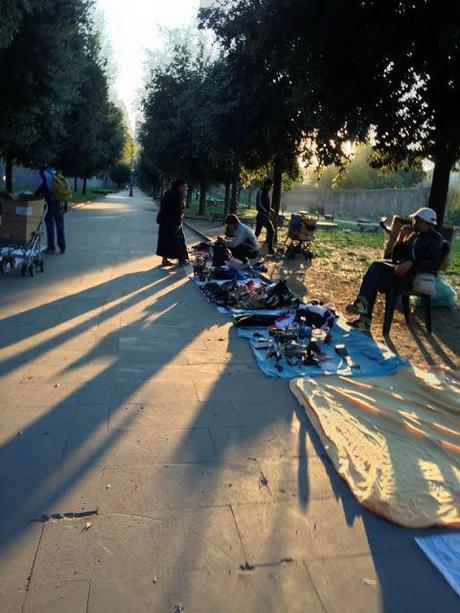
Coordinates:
(146, 462)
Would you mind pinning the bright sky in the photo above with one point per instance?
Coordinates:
(134, 26)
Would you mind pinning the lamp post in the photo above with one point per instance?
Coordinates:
(131, 176)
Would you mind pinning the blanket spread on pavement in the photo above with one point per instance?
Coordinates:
(395, 440)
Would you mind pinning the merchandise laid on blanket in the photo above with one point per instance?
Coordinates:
(289, 339)
(391, 430)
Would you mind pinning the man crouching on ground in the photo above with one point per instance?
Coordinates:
(244, 243)
(418, 248)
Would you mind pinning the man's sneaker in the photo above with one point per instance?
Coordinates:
(363, 324)
(50, 250)
(359, 306)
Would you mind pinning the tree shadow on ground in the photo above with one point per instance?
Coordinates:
(46, 452)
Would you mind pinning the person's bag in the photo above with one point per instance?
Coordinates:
(60, 191)
(220, 255)
(424, 283)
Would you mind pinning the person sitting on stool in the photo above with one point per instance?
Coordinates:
(244, 243)
(418, 248)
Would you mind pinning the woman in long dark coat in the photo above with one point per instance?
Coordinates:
(171, 239)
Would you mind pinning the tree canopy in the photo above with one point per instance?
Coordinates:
(55, 90)
(353, 67)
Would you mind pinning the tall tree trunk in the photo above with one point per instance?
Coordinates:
(75, 184)
(236, 160)
(277, 185)
(83, 191)
(9, 174)
(443, 165)
(202, 208)
(250, 196)
(234, 186)
(188, 204)
(227, 194)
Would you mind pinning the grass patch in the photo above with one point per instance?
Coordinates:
(213, 209)
(79, 198)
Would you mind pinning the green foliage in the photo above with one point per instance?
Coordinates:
(184, 128)
(359, 174)
(95, 129)
(54, 103)
(347, 66)
(454, 205)
(40, 71)
(12, 12)
(120, 173)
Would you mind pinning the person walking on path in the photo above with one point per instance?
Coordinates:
(264, 211)
(171, 239)
(55, 214)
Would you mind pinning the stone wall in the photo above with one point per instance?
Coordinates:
(356, 203)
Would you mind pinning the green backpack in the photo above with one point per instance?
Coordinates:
(60, 190)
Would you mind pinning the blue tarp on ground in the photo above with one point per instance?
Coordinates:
(444, 551)
(374, 360)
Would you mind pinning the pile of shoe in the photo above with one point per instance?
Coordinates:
(220, 293)
(299, 336)
(251, 295)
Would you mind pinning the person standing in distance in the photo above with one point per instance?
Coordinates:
(264, 211)
(171, 239)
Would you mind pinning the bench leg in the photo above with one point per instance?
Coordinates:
(391, 299)
(426, 301)
(406, 307)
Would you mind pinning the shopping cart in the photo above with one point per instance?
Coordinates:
(301, 230)
(21, 235)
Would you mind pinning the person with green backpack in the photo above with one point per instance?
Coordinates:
(53, 187)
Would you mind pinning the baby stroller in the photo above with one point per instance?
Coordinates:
(300, 235)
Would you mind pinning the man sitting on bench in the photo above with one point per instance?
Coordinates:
(418, 248)
(244, 243)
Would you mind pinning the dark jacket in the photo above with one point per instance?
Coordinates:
(263, 202)
(424, 250)
(171, 208)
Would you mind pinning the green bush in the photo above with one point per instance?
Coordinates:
(454, 206)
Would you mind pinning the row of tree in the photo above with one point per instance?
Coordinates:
(306, 78)
(55, 106)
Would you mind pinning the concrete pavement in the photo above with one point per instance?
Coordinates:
(147, 465)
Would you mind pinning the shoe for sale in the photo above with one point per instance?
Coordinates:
(358, 307)
(363, 324)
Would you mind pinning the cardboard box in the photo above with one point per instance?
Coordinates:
(20, 219)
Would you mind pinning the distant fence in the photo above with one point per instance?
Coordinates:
(356, 203)
(28, 178)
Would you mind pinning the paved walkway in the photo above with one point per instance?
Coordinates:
(146, 464)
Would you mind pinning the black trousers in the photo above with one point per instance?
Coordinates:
(264, 221)
(243, 252)
(54, 218)
(380, 277)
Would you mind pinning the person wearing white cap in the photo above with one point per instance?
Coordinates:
(418, 248)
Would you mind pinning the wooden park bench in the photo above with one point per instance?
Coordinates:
(216, 215)
(366, 225)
